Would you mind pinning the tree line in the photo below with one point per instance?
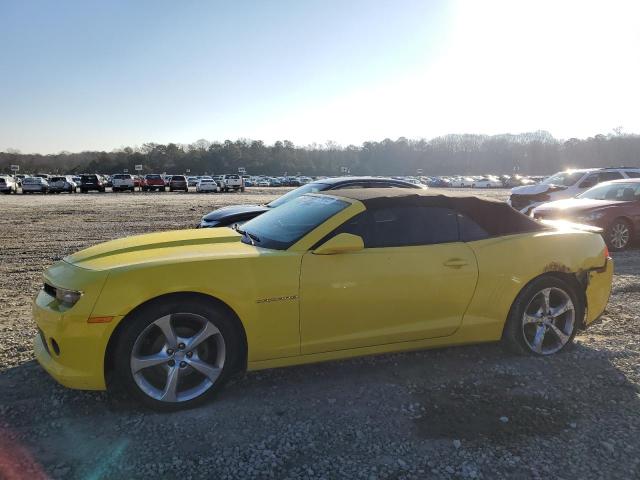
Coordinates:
(528, 153)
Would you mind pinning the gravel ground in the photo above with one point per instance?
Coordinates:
(467, 412)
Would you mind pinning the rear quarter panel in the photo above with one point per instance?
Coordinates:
(507, 264)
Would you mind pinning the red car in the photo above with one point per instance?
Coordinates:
(613, 206)
(152, 182)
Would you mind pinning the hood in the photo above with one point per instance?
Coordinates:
(233, 210)
(577, 205)
(535, 189)
(162, 247)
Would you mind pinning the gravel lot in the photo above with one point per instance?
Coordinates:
(468, 412)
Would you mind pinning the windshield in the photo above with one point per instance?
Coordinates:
(621, 192)
(282, 227)
(563, 178)
(313, 187)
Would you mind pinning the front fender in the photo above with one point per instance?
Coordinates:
(272, 327)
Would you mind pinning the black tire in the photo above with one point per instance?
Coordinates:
(513, 336)
(176, 304)
(613, 235)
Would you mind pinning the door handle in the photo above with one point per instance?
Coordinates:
(455, 263)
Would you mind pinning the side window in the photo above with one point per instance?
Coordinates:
(414, 225)
(633, 174)
(401, 227)
(590, 181)
(470, 230)
(606, 176)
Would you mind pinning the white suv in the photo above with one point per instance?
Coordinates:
(122, 182)
(565, 184)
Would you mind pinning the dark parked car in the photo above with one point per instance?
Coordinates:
(90, 182)
(238, 214)
(178, 182)
(613, 206)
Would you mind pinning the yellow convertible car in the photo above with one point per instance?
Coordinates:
(170, 316)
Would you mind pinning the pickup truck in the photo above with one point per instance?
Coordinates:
(233, 182)
(153, 182)
(123, 182)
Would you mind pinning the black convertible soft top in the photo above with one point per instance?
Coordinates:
(494, 216)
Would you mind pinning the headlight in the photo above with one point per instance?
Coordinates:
(67, 297)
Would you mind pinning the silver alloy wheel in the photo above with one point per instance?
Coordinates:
(548, 321)
(619, 235)
(178, 357)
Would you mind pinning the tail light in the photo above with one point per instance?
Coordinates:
(606, 252)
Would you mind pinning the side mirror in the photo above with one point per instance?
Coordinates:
(341, 243)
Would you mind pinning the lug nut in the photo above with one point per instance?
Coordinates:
(181, 346)
(170, 351)
(183, 364)
(172, 362)
(189, 354)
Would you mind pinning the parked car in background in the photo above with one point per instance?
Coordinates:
(8, 184)
(34, 185)
(153, 182)
(62, 184)
(462, 182)
(178, 182)
(263, 182)
(192, 181)
(565, 184)
(487, 182)
(19, 179)
(123, 182)
(613, 206)
(92, 182)
(206, 185)
(238, 214)
(233, 182)
(106, 180)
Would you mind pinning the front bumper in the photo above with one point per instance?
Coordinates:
(598, 291)
(69, 348)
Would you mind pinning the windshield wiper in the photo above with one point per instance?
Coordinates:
(252, 237)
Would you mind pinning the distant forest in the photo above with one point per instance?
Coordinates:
(528, 153)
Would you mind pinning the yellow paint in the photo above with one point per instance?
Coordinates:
(328, 306)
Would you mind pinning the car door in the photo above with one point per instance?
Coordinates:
(412, 281)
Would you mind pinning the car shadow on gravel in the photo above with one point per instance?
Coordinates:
(475, 394)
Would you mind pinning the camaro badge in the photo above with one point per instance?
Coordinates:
(277, 299)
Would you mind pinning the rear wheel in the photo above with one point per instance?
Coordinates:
(544, 318)
(176, 354)
(619, 234)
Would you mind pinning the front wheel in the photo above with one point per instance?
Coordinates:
(618, 235)
(177, 354)
(544, 318)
